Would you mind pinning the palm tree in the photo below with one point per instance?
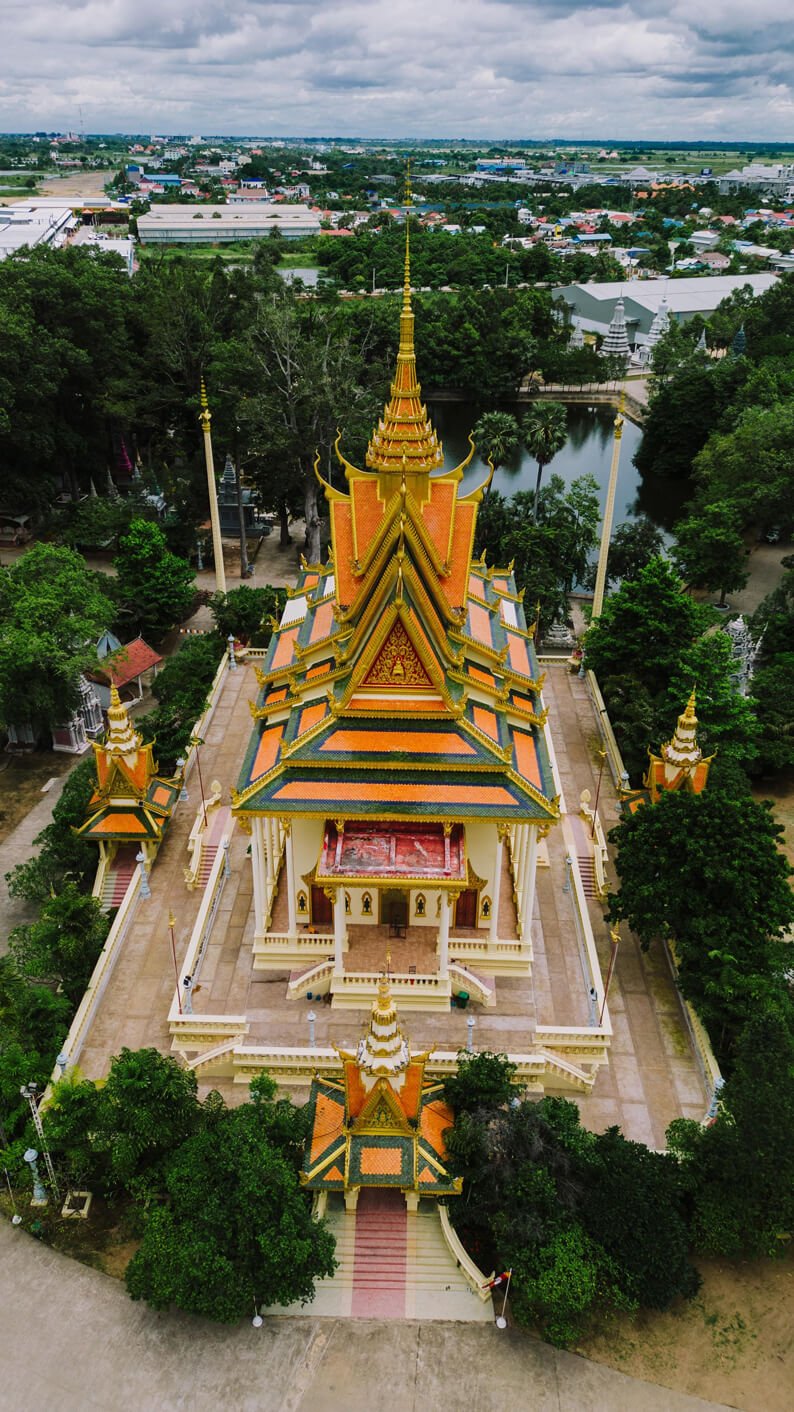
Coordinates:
(496, 435)
(545, 432)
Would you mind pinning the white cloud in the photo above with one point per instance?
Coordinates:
(446, 68)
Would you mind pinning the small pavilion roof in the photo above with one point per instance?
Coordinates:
(128, 662)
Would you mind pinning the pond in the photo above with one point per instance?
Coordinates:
(587, 450)
(308, 273)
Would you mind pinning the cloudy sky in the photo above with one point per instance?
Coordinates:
(445, 68)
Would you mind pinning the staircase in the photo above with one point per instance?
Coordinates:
(587, 874)
(391, 1265)
(211, 844)
(117, 877)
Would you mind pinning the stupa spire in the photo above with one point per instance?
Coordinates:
(683, 750)
(404, 439)
(121, 739)
(383, 1052)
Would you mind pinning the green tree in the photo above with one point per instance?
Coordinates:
(773, 690)
(181, 690)
(497, 437)
(706, 873)
(727, 724)
(482, 1080)
(237, 1231)
(750, 466)
(545, 432)
(242, 612)
(64, 944)
(52, 611)
(741, 1167)
(709, 551)
(632, 546)
(643, 627)
(155, 588)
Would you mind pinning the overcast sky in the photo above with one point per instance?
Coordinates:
(441, 68)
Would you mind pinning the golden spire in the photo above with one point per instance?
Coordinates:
(121, 739)
(383, 1052)
(404, 438)
(683, 749)
(205, 416)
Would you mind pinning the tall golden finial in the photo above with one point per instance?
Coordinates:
(205, 416)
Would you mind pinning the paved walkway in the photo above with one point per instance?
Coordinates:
(18, 848)
(72, 1341)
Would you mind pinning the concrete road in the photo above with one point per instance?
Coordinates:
(72, 1341)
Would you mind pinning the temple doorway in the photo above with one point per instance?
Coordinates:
(394, 910)
(322, 908)
(466, 909)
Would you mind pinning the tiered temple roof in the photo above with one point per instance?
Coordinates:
(383, 1123)
(130, 802)
(680, 764)
(402, 680)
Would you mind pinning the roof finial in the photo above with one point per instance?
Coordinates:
(408, 205)
(204, 415)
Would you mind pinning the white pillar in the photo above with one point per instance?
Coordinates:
(257, 868)
(493, 930)
(339, 929)
(528, 889)
(293, 920)
(443, 937)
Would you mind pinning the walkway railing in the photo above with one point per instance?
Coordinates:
(463, 1260)
(106, 961)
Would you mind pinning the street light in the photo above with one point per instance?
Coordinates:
(40, 1197)
(30, 1092)
(470, 1023)
(62, 1060)
(232, 658)
(180, 769)
(311, 1017)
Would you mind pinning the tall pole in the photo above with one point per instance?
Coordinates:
(606, 526)
(171, 925)
(205, 418)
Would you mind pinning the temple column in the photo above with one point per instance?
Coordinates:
(293, 920)
(339, 928)
(528, 888)
(443, 936)
(270, 860)
(257, 868)
(493, 930)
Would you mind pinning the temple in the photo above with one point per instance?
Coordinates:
(680, 764)
(383, 1123)
(131, 803)
(399, 773)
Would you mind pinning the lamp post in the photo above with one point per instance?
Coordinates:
(187, 986)
(196, 742)
(40, 1197)
(199, 555)
(614, 937)
(140, 859)
(602, 758)
(606, 525)
(171, 925)
(232, 658)
(62, 1060)
(205, 418)
(470, 1023)
(311, 1017)
(180, 769)
(566, 887)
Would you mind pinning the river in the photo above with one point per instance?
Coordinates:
(588, 449)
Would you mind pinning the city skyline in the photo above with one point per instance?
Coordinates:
(465, 69)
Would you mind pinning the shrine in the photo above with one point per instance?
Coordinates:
(680, 764)
(131, 803)
(382, 1123)
(399, 750)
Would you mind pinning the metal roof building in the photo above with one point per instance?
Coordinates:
(173, 224)
(592, 306)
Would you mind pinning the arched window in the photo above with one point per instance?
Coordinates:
(302, 903)
(485, 909)
(420, 906)
(347, 904)
(366, 904)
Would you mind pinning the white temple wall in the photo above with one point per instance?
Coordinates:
(307, 840)
(481, 851)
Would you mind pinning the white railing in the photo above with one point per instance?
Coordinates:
(202, 927)
(108, 956)
(617, 769)
(201, 725)
(279, 942)
(400, 982)
(472, 983)
(707, 1062)
(315, 979)
(474, 1277)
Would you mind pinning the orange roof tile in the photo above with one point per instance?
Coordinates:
(344, 555)
(435, 1119)
(128, 662)
(480, 623)
(320, 670)
(161, 795)
(356, 1093)
(518, 655)
(329, 1122)
(411, 1090)
(311, 715)
(455, 585)
(381, 1161)
(267, 752)
(437, 513)
(119, 823)
(368, 510)
(364, 742)
(368, 791)
(323, 622)
(486, 722)
(333, 1175)
(527, 758)
(428, 1178)
(479, 675)
(285, 648)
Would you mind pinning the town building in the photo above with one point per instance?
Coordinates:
(211, 225)
(30, 224)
